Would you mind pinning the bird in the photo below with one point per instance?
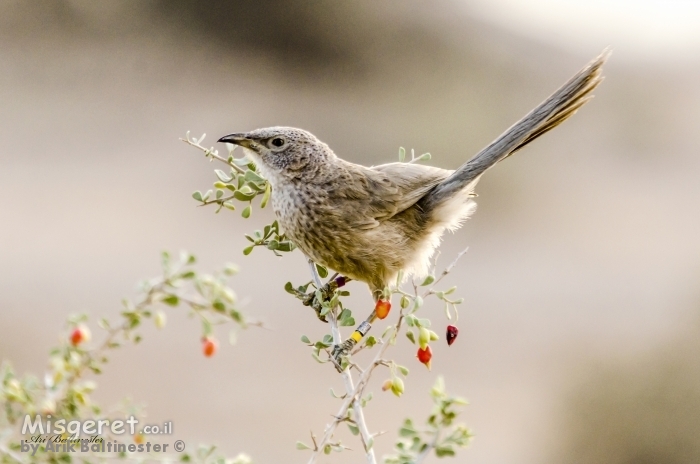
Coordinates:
(370, 223)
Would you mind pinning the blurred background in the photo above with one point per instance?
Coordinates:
(579, 335)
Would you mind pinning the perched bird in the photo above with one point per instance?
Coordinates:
(368, 223)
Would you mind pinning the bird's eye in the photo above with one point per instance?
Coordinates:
(278, 142)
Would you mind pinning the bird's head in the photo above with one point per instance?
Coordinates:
(281, 151)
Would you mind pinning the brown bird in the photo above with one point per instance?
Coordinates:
(368, 223)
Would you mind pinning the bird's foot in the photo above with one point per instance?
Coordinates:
(340, 353)
(327, 291)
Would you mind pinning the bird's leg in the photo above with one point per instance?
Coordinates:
(381, 310)
(327, 292)
(344, 348)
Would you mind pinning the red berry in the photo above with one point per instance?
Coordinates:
(79, 335)
(451, 334)
(209, 346)
(425, 355)
(382, 308)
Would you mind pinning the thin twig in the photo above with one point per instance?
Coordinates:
(211, 152)
(357, 391)
(430, 447)
(447, 270)
(349, 388)
(8, 452)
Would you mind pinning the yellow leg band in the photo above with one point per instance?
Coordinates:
(357, 336)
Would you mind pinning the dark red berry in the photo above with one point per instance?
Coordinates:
(340, 281)
(451, 334)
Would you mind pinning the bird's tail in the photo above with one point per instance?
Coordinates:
(549, 114)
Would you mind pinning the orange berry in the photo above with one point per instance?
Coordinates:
(382, 308)
(209, 346)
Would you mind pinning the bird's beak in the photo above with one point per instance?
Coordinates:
(237, 139)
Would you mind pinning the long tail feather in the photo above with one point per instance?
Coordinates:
(549, 114)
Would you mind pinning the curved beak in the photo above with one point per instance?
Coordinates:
(236, 139)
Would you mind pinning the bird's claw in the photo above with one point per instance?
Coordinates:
(327, 291)
(340, 352)
(311, 300)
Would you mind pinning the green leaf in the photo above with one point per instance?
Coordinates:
(187, 275)
(219, 306)
(197, 195)
(219, 194)
(371, 341)
(444, 450)
(252, 176)
(171, 300)
(241, 196)
(302, 446)
(247, 250)
(411, 337)
(230, 269)
(417, 303)
(322, 271)
(289, 288)
(246, 212)
(407, 429)
(345, 318)
(353, 429)
(266, 195)
(286, 246)
(429, 279)
(402, 369)
(305, 339)
(402, 154)
(206, 196)
(222, 176)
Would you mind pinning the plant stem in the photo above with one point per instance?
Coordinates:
(350, 389)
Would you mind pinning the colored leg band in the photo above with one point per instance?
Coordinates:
(361, 330)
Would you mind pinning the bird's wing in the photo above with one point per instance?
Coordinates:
(412, 181)
(389, 189)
